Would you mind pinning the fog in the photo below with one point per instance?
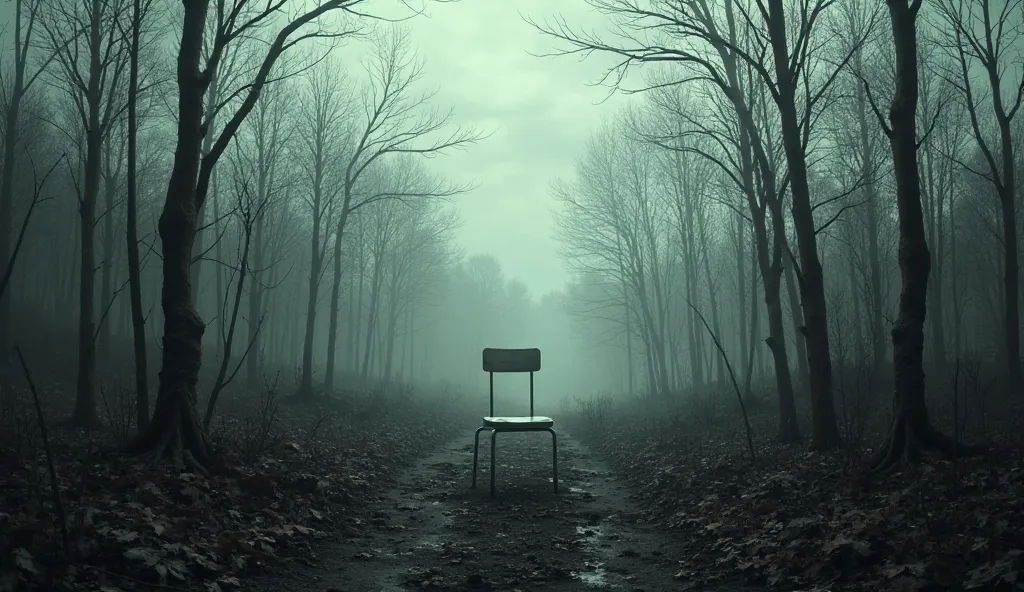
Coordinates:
(251, 254)
(408, 188)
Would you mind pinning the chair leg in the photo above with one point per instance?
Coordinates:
(554, 457)
(494, 450)
(476, 452)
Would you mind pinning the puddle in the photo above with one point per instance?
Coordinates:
(591, 534)
(594, 576)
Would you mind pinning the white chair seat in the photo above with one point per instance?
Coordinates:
(519, 423)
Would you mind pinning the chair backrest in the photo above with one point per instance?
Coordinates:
(510, 360)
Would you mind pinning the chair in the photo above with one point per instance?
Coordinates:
(513, 360)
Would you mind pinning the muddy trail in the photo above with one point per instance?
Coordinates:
(433, 532)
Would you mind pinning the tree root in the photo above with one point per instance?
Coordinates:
(176, 435)
(909, 442)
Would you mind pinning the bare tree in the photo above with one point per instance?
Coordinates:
(91, 64)
(178, 434)
(743, 153)
(943, 117)
(249, 210)
(611, 228)
(38, 185)
(983, 32)
(859, 147)
(25, 18)
(396, 119)
(269, 135)
(911, 430)
(140, 8)
(701, 36)
(325, 112)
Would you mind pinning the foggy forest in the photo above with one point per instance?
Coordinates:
(252, 253)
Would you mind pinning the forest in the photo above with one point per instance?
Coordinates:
(240, 339)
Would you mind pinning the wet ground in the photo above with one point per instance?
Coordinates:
(433, 532)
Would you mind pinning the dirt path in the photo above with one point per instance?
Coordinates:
(433, 532)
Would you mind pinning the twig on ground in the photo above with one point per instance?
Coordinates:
(732, 376)
(57, 502)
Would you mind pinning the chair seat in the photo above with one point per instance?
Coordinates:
(519, 423)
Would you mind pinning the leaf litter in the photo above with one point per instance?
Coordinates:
(134, 525)
(798, 520)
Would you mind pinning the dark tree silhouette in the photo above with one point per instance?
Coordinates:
(911, 430)
(176, 432)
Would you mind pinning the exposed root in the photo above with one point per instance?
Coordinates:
(175, 435)
(910, 442)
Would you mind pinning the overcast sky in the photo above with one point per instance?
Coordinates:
(541, 108)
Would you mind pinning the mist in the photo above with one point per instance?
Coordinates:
(261, 248)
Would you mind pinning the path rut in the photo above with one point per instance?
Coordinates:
(432, 532)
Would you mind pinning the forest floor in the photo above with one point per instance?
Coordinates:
(792, 519)
(287, 478)
(369, 492)
(433, 532)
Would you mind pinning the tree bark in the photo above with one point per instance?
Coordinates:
(871, 219)
(132, 230)
(7, 178)
(332, 325)
(789, 430)
(1011, 271)
(84, 414)
(229, 339)
(175, 431)
(824, 427)
(306, 383)
(110, 174)
(212, 98)
(911, 430)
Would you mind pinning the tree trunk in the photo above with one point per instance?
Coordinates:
(754, 326)
(741, 291)
(715, 324)
(824, 427)
(332, 329)
(236, 305)
(212, 98)
(218, 270)
(772, 270)
(855, 304)
(389, 336)
(132, 230)
(84, 413)
(253, 371)
(175, 431)
(107, 270)
(7, 182)
(306, 384)
(1011, 269)
(911, 430)
(372, 318)
(871, 219)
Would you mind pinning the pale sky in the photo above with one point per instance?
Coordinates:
(542, 111)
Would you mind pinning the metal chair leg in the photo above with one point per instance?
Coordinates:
(476, 452)
(494, 450)
(554, 457)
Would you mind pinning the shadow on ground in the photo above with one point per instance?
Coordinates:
(433, 532)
